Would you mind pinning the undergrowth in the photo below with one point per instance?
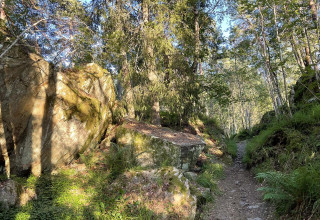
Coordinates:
(231, 147)
(286, 156)
(80, 193)
(296, 193)
(286, 144)
(210, 175)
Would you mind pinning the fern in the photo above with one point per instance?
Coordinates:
(290, 191)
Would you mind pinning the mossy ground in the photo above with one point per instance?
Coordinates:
(98, 187)
(287, 143)
(77, 192)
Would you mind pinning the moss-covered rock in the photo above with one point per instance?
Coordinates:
(164, 191)
(155, 146)
(48, 117)
(306, 90)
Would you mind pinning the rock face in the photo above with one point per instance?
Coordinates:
(47, 117)
(155, 146)
(163, 191)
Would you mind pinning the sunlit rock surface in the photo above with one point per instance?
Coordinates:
(155, 146)
(46, 116)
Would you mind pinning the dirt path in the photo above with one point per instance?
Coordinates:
(239, 199)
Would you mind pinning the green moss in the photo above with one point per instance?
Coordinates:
(286, 144)
(306, 89)
(162, 153)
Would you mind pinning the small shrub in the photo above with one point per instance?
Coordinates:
(295, 137)
(170, 120)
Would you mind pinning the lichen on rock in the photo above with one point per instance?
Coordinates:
(155, 147)
(51, 116)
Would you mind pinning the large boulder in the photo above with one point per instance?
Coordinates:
(47, 117)
(157, 146)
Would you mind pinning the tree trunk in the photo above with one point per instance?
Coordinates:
(297, 53)
(281, 60)
(196, 39)
(266, 54)
(150, 64)
(313, 9)
(124, 72)
(244, 122)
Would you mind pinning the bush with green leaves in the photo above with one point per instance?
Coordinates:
(286, 156)
(120, 159)
(169, 119)
(243, 134)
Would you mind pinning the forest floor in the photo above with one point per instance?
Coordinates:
(239, 196)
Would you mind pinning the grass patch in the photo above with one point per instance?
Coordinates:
(80, 192)
(288, 143)
(210, 175)
(231, 147)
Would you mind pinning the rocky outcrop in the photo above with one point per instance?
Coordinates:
(48, 117)
(155, 146)
(165, 192)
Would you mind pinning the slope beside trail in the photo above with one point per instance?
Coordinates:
(239, 196)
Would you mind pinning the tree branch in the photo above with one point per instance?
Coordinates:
(20, 35)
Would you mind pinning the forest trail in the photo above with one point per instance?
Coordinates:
(239, 198)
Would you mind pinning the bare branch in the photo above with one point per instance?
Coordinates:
(20, 35)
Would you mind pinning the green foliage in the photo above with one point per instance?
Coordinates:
(306, 89)
(231, 147)
(243, 134)
(120, 159)
(75, 193)
(170, 120)
(287, 143)
(210, 175)
(289, 146)
(296, 193)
